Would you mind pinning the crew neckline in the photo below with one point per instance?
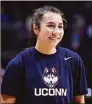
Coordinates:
(47, 55)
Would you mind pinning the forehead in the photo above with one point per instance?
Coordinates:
(52, 17)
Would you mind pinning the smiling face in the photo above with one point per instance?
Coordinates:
(51, 29)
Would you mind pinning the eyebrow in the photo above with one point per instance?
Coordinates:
(54, 23)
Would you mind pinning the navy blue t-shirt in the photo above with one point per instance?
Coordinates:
(36, 78)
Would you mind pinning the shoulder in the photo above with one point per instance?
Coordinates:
(27, 51)
(69, 53)
(19, 57)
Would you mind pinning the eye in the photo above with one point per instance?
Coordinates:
(60, 27)
(51, 26)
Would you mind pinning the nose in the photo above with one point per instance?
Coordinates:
(56, 31)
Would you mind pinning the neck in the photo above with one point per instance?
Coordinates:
(45, 49)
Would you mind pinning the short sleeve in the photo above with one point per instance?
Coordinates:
(11, 80)
(80, 82)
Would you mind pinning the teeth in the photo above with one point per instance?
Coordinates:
(54, 38)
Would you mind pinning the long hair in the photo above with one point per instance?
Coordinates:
(38, 16)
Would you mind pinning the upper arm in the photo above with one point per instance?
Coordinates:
(6, 99)
(12, 80)
(79, 99)
(80, 82)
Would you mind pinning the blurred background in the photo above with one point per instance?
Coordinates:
(15, 29)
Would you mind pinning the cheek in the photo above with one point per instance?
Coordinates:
(61, 33)
(47, 32)
(44, 34)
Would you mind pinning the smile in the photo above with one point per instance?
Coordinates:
(53, 38)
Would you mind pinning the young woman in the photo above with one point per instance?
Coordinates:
(45, 73)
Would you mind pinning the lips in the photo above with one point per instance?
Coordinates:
(53, 38)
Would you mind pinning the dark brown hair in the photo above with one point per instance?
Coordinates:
(38, 16)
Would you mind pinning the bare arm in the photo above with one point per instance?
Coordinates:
(79, 99)
(6, 99)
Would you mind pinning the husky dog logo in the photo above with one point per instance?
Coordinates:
(50, 77)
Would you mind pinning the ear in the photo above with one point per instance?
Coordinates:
(35, 29)
(46, 70)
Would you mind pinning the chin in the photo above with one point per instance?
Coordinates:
(54, 45)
